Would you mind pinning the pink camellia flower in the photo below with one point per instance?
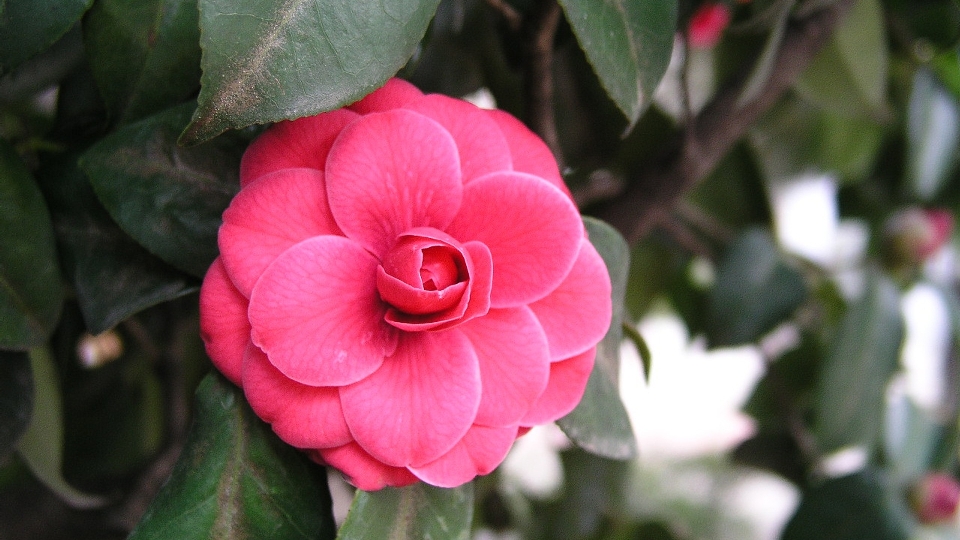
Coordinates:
(404, 286)
(707, 25)
(935, 498)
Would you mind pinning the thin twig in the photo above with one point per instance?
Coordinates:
(540, 29)
(696, 150)
(510, 15)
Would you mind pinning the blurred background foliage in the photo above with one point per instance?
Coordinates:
(781, 178)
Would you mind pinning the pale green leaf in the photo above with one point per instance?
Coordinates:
(414, 512)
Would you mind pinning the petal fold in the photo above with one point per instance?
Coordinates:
(395, 93)
(568, 380)
(303, 416)
(316, 313)
(576, 315)
(480, 142)
(303, 142)
(224, 326)
(530, 154)
(532, 229)
(514, 363)
(272, 214)
(479, 452)
(419, 403)
(364, 471)
(391, 172)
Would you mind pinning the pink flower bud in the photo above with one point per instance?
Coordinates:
(935, 498)
(913, 235)
(707, 25)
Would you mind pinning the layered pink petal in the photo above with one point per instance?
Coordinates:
(303, 142)
(568, 380)
(303, 416)
(316, 313)
(479, 452)
(390, 172)
(483, 148)
(363, 470)
(514, 363)
(419, 403)
(272, 214)
(530, 154)
(576, 315)
(395, 93)
(532, 229)
(223, 322)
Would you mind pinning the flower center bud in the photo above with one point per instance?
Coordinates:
(424, 273)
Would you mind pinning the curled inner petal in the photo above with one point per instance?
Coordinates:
(427, 280)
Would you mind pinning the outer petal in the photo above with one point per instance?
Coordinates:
(303, 142)
(316, 314)
(303, 416)
(514, 363)
(419, 403)
(395, 93)
(532, 229)
(390, 172)
(363, 470)
(272, 214)
(479, 452)
(568, 380)
(483, 148)
(223, 321)
(576, 315)
(530, 153)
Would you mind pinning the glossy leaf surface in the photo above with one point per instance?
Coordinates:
(600, 423)
(113, 276)
(864, 353)
(628, 44)
(755, 290)
(264, 61)
(410, 513)
(235, 479)
(28, 27)
(145, 54)
(167, 197)
(30, 290)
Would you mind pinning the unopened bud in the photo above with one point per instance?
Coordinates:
(707, 25)
(935, 498)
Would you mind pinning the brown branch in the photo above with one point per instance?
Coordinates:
(540, 27)
(696, 150)
(510, 15)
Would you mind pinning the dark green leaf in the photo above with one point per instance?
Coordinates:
(30, 26)
(264, 61)
(113, 277)
(235, 479)
(794, 138)
(933, 136)
(600, 423)
(856, 507)
(41, 446)
(755, 291)
(167, 197)
(849, 76)
(947, 68)
(30, 290)
(145, 54)
(628, 44)
(16, 398)
(593, 489)
(410, 513)
(864, 353)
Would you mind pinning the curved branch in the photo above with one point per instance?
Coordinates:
(694, 152)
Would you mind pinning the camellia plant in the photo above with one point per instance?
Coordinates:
(316, 269)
